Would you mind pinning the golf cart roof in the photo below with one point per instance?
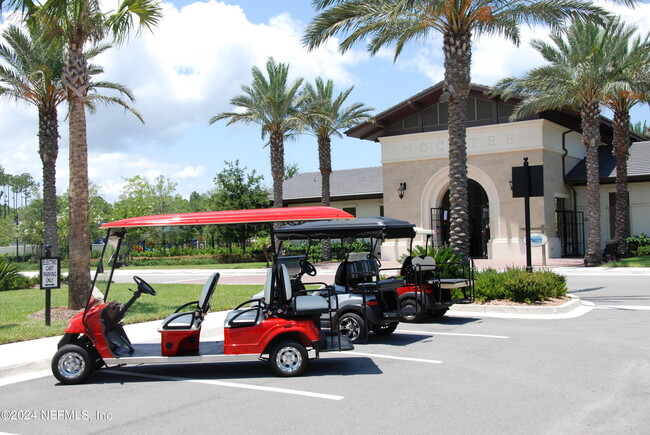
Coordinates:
(375, 227)
(225, 217)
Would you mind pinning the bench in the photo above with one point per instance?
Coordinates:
(609, 253)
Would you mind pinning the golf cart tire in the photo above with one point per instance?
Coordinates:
(436, 314)
(72, 364)
(418, 308)
(384, 330)
(288, 358)
(352, 326)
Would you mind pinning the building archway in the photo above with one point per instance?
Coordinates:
(436, 189)
(479, 219)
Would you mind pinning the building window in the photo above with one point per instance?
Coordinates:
(410, 123)
(483, 109)
(505, 110)
(381, 210)
(430, 116)
(437, 115)
(351, 210)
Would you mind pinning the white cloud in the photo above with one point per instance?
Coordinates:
(109, 170)
(195, 61)
(183, 73)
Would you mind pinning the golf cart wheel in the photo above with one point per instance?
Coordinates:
(384, 330)
(351, 325)
(288, 358)
(415, 309)
(72, 364)
(436, 314)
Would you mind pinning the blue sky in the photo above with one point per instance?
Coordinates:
(196, 61)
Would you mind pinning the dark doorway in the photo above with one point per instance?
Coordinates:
(479, 220)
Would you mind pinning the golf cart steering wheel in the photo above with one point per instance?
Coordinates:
(307, 267)
(144, 286)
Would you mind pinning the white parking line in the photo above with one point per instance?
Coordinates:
(623, 307)
(401, 358)
(227, 384)
(25, 377)
(450, 333)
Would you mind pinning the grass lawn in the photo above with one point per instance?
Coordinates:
(643, 261)
(17, 322)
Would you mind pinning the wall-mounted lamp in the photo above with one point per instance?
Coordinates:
(401, 189)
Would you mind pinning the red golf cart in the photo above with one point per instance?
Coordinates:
(431, 289)
(280, 328)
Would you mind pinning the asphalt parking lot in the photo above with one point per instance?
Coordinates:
(461, 374)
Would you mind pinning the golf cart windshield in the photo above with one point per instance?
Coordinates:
(108, 261)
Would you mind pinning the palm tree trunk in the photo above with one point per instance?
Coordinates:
(621, 144)
(76, 77)
(458, 55)
(277, 166)
(325, 165)
(590, 113)
(48, 149)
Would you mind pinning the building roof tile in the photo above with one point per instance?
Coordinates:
(344, 184)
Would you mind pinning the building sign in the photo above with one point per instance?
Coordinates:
(523, 179)
(537, 239)
(50, 273)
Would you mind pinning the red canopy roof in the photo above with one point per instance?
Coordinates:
(254, 216)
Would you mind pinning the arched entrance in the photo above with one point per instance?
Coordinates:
(479, 219)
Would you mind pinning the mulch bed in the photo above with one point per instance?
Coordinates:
(56, 313)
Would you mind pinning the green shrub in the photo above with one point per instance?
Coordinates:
(20, 282)
(641, 239)
(643, 250)
(8, 272)
(519, 286)
(489, 285)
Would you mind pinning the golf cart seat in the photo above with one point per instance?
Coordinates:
(301, 305)
(192, 319)
(180, 331)
(363, 275)
(252, 315)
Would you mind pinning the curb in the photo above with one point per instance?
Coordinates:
(569, 310)
(566, 307)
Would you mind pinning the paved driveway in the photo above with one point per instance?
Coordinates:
(470, 374)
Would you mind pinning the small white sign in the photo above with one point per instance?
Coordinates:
(537, 239)
(50, 270)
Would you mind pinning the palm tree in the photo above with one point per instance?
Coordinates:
(585, 59)
(384, 22)
(621, 97)
(273, 104)
(326, 117)
(641, 128)
(32, 74)
(78, 23)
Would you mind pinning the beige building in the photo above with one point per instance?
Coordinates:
(414, 151)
